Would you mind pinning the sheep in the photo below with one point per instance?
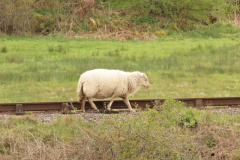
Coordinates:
(103, 83)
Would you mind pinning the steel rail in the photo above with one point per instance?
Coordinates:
(66, 106)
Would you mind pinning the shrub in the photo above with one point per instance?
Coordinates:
(180, 12)
(187, 119)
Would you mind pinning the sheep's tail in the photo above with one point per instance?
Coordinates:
(80, 91)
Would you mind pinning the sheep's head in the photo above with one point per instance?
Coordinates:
(141, 79)
(144, 80)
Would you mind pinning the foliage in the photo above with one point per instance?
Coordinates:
(187, 118)
(144, 19)
(58, 49)
(44, 10)
(236, 154)
(177, 113)
(71, 17)
(14, 16)
(142, 135)
(183, 12)
(27, 17)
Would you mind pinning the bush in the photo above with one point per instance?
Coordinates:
(187, 119)
(180, 12)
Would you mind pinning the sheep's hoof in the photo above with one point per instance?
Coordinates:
(82, 111)
(96, 111)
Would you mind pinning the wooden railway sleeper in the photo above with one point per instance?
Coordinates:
(199, 103)
(65, 108)
(19, 109)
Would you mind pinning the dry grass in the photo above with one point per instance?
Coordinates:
(218, 142)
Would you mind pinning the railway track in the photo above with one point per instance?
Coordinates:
(66, 107)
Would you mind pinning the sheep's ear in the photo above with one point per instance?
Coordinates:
(142, 75)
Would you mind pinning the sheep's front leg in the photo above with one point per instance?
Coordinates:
(110, 103)
(126, 101)
(83, 104)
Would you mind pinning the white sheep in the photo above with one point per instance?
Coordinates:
(103, 83)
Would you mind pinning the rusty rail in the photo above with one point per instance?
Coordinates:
(20, 108)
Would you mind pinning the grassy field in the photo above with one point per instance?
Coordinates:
(48, 68)
(193, 65)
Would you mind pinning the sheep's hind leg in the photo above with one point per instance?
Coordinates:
(92, 104)
(83, 104)
(126, 101)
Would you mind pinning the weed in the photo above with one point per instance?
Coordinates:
(187, 119)
(144, 19)
(113, 54)
(23, 120)
(4, 49)
(211, 143)
(50, 49)
(44, 10)
(235, 154)
(84, 27)
(58, 49)
(95, 54)
(116, 50)
(124, 48)
(14, 59)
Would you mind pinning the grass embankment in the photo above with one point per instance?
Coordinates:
(141, 20)
(176, 132)
(48, 68)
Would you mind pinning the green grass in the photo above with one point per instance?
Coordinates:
(48, 68)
